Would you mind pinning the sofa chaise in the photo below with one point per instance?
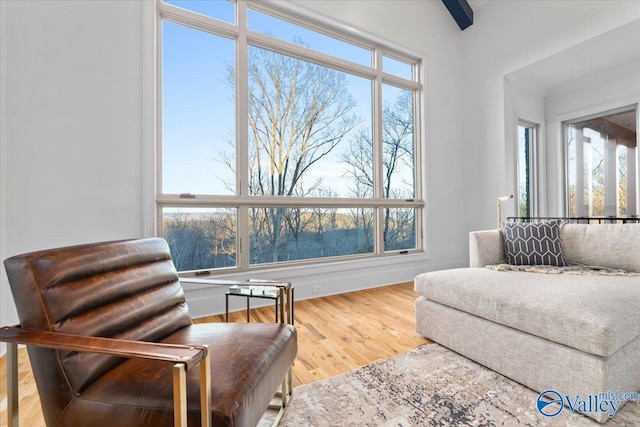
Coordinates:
(576, 332)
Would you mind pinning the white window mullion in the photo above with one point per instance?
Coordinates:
(150, 23)
(197, 21)
(589, 162)
(611, 176)
(158, 127)
(400, 82)
(242, 134)
(378, 169)
(581, 209)
(417, 156)
(534, 173)
(281, 11)
(631, 182)
(417, 137)
(306, 54)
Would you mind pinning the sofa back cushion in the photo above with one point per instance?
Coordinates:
(606, 245)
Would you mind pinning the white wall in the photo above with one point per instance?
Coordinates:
(522, 101)
(506, 36)
(71, 126)
(73, 134)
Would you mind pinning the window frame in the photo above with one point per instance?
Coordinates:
(532, 167)
(242, 200)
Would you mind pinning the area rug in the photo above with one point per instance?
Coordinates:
(429, 386)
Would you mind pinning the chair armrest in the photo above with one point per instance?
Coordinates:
(189, 355)
(184, 358)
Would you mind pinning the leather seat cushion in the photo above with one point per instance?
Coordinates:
(244, 378)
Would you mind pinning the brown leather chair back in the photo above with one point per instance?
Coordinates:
(126, 290)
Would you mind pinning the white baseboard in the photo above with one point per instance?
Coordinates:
(204, 300)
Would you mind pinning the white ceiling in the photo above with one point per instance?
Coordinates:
(611, 49)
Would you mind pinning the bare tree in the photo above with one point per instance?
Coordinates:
(397, 142)
(397, 155)
(359, 161)
(201, 240)
(298, 113)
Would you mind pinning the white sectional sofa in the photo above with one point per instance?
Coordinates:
(578, 334)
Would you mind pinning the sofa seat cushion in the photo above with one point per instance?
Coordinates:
(595, 314)
(244, 378)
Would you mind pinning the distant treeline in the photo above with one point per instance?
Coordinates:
(209, 241)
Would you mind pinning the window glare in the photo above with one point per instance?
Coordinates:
(283, 30)
(219, 9)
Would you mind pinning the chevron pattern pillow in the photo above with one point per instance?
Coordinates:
(534, 244)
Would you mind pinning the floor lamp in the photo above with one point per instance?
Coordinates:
(500, 200)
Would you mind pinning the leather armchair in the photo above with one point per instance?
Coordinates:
(111, 343)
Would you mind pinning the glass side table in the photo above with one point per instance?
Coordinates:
(280, 292)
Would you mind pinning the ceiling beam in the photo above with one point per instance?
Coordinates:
(461, 12)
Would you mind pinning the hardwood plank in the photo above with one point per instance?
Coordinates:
(336, 334)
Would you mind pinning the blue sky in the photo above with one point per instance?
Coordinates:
(198, 105)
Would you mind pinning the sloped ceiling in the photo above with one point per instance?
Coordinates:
(614, 48)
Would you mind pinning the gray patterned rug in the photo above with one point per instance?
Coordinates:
(429, 386)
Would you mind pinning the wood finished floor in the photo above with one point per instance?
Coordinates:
(336, 334)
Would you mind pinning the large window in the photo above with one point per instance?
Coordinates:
(282, 140)
(602, 171)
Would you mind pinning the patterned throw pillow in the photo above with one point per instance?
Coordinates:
(534, 244)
